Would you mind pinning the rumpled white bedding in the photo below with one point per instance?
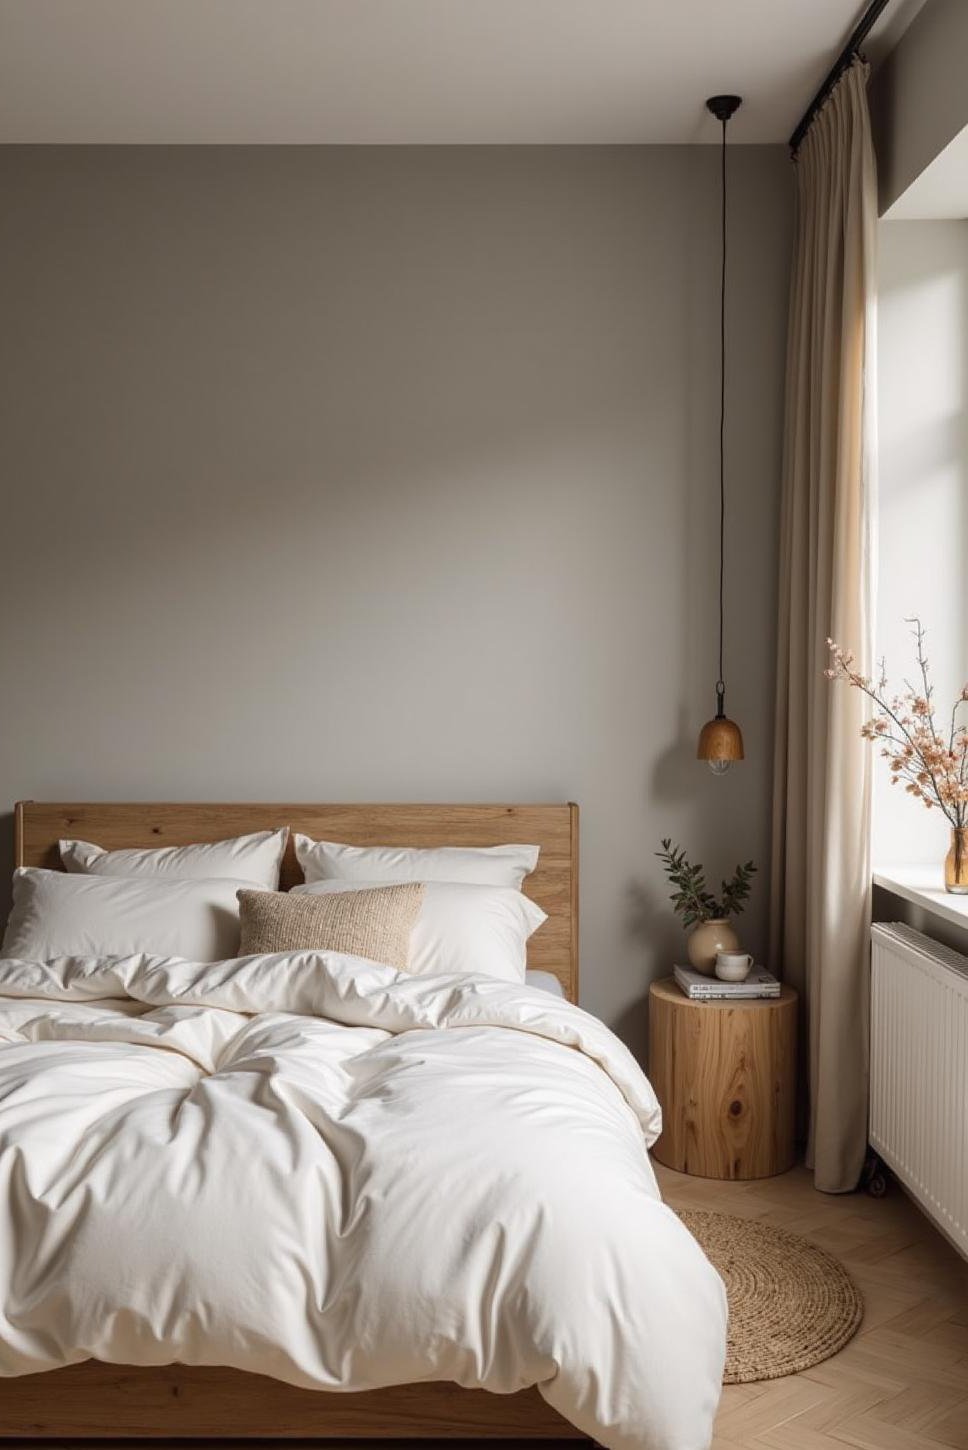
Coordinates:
(316, 1168)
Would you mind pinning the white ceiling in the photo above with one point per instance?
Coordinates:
(409, 71)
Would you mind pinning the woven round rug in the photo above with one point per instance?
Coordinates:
(790, 1304)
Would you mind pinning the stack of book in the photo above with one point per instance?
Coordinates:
(759, 983)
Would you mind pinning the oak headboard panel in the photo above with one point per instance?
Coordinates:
(553, 885)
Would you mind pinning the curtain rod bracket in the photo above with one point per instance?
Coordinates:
(858, 35)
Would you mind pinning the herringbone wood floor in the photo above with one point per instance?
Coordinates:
(902, 1383)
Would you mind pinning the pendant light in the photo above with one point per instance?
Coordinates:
(720, 740)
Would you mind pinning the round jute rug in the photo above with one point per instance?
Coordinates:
(790, 1304)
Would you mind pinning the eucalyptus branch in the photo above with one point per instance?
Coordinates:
(691, 899)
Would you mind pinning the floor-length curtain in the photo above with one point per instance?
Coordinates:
(820, 881)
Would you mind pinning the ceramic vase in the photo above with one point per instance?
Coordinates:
(706, 939)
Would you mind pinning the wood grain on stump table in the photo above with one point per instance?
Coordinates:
(725, 1075)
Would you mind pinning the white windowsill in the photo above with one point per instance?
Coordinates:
(922, 886)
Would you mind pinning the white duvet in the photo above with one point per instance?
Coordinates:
(315, 1168)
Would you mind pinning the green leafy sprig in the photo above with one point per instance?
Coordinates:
(691, 899)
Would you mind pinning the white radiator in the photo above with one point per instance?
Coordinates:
(919, 1071)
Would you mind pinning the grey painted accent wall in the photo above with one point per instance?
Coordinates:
(919, 96)
(362, 474)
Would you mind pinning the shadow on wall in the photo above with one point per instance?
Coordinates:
(652, 927)
(675, 771)
(6, 859)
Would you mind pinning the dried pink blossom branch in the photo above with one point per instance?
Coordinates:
(933, 770)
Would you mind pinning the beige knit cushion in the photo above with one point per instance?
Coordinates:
(375, 924)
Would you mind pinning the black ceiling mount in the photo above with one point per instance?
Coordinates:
(723, 107)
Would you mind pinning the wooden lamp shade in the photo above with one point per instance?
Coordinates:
(720, 739)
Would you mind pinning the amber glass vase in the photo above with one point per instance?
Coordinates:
(956, 862)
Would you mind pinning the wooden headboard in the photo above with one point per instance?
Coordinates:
(39, 825)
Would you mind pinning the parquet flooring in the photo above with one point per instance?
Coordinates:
(902, 1382)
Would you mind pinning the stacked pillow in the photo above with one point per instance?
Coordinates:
(176, 901)
(473, 916)
(446, 910)
(472, 865)
(256, 858)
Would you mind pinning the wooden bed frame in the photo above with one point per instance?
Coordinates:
(94, 1400)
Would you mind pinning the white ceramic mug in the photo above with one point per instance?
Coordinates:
(733, 966)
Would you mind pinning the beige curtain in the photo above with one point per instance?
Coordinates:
(820, 884)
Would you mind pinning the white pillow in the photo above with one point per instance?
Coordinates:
(253, 858)
(480, 866)
(461, 927)
(545, 982)
(56, 915)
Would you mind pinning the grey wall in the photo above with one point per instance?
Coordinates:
(391, 474)
(922, 387)
(919, 97)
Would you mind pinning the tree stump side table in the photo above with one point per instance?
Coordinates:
(725, 1075)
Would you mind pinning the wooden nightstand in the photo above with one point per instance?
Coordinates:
(725, 1075)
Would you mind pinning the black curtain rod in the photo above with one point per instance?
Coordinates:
(859, 34)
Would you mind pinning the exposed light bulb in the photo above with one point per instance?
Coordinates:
(720, 741)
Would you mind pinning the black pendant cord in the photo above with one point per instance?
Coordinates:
(720, 682)
(722, 107)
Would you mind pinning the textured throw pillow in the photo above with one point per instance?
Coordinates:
(373, 924)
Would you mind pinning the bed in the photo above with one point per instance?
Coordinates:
(95, 1399)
